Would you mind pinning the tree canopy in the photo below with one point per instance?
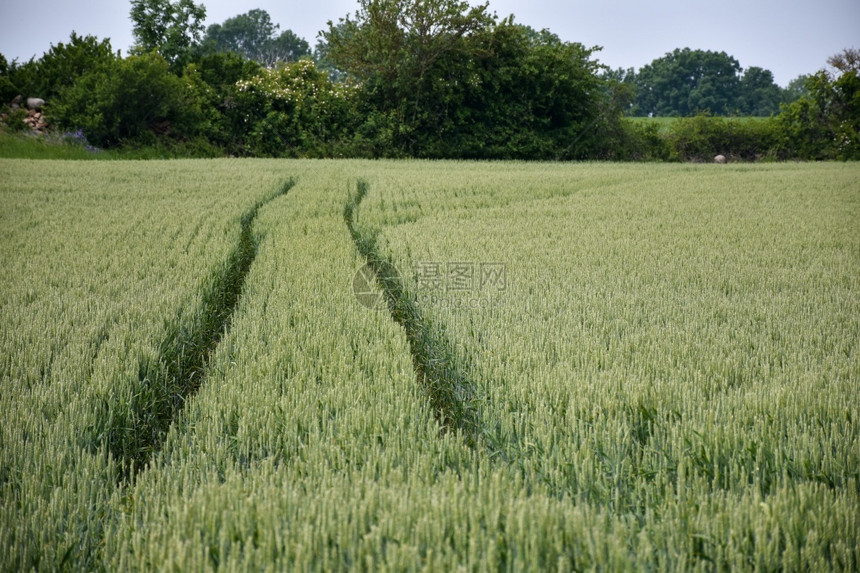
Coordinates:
(847, 60)
(60, 66)
(169, 28)
(442, 78)
(254, 36)
(758, 95)
(685, 81)
(825, 122)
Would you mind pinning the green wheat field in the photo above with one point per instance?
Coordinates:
(278, 365)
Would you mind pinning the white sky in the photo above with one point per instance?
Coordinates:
(788, 37)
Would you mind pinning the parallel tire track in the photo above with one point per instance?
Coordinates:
(167, 382)
(451, 395)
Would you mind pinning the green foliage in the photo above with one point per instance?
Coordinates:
(133, 99)
(286, 47)
(63, 64)
(170, 28)
(631, 139)
(13, 120)
(427, 79)
(215, 77)
(758, 95)
(398, 41)
(442, 79)
(533, 96)
(686, 82)
(246, 34)
(397, 50)
(223, 69)
(702, 137)
(293, 109)
(795, 89)
(825, 123)
(322, 58)
(19, 79)
(254, 36)
(8, 90)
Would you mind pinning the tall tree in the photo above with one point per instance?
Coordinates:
(323, 59)
(825, 122)
(795, 89)
(685, 82)
(254, 36)
(286, 47)
(758, 94)
(848, 60)
(394, 43)
(245, 34)
(391, 46)
(169, 28)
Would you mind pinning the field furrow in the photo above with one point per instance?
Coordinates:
(451, 395)
(180, 367)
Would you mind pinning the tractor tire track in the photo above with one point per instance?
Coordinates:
(179, 370)
(452, 395)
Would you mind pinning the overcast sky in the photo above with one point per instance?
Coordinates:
(788, 37)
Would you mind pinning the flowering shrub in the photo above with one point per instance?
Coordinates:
(78, 137)
(293, 108)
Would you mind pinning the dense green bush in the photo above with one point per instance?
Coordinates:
(825, 123)
(629, 139)
(63, 64)
(467, 86)
(8, 90)
(702, 137)
(136, 99)
(216, 76)
(14, 120)
(292, 110)
(18, 79)
(530, 96)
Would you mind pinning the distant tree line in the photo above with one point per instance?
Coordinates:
(687, 82)
(431, 78)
